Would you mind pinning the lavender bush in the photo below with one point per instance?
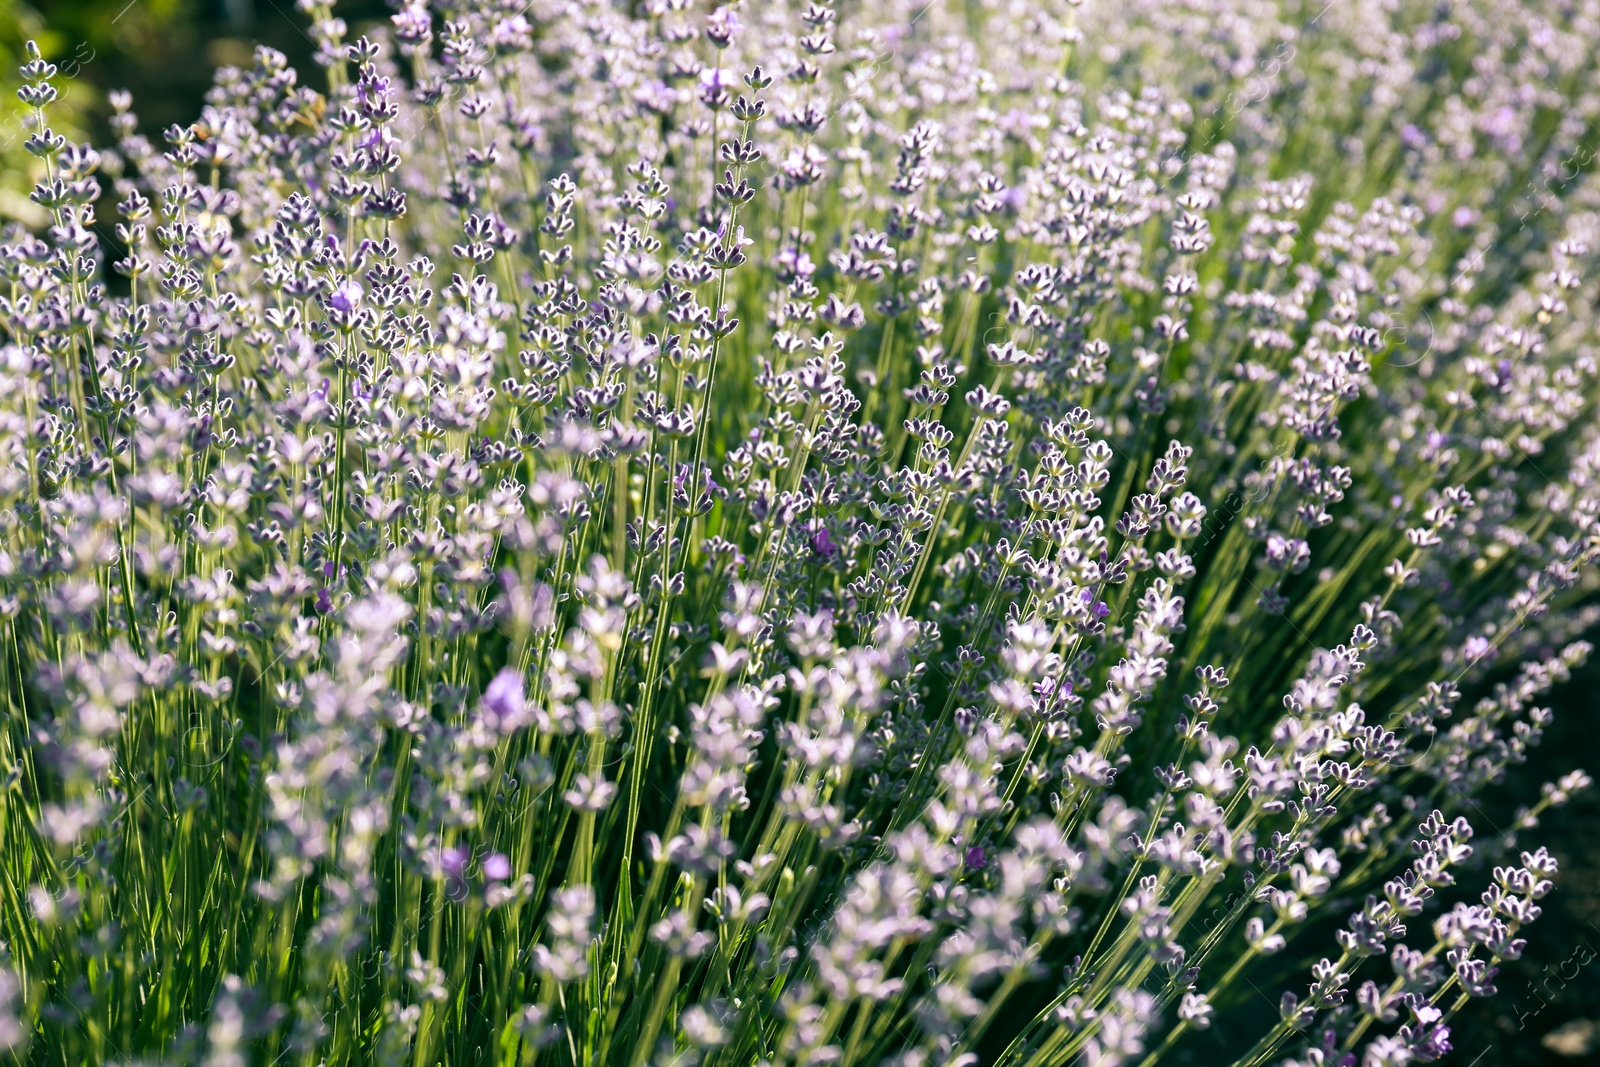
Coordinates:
(888, 533)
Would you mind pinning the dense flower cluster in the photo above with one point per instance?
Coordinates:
(886, 533)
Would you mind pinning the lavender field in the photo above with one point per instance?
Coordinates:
(1018, 533)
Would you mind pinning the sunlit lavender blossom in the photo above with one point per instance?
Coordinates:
(897, 533)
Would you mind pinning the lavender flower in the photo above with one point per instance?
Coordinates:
(792, 534)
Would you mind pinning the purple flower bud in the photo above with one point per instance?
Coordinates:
(505, 706)
(822, 544)
(1434, 1045)
(716, 79)
(346, 298)
(372, 89)
(977, 858)
(413, 24)
(324, 601)
(514, 32)
(453, 862)
(791, 263)
(497, 867)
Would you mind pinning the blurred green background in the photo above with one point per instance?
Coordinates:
(165, 52)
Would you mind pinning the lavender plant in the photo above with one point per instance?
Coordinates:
(846, 534)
